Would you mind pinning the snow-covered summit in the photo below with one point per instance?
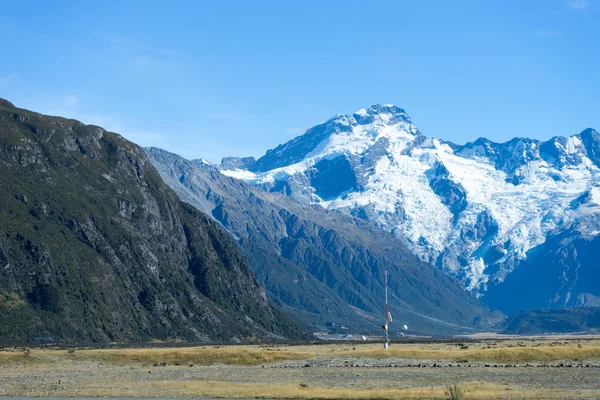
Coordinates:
(474, 210)
(386, 113)
(341, 132)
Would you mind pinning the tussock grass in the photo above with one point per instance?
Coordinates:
(8, 357)
(223, 389)
(234, 355)
(252, 355)
(504, 354)
(16, 356)
(473, 390)
(204, 355)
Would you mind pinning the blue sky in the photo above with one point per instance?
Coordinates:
(211, 79)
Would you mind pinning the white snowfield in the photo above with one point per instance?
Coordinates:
(529, 197)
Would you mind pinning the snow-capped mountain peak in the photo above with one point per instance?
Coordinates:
(386, 113)
(345, 133)
(473, 210)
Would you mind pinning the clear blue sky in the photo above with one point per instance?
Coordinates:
(210, 79)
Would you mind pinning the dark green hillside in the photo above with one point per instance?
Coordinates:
(95, 247)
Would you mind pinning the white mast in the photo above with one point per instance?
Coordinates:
(387, 314)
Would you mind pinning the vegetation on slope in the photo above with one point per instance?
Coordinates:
(95, 247)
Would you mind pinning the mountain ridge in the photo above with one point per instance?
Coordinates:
(474, 210)
(94, 247)
(323, 266)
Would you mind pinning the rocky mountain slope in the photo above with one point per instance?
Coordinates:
(543, 321)
(94, 246)
(568, 263)
(478, 211)
(320, 265)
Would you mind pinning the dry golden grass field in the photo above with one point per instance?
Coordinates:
(518, 368)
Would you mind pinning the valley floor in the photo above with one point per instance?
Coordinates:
(540, 368)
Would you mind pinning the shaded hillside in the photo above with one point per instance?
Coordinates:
(562, 272)
(547, 320)
(95, 247)
(323, 266)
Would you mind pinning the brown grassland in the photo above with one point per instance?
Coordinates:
(330, 371)
(503, 354)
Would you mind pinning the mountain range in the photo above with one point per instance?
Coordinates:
(101, 240)
(500, 217)
(95, 247)
(323, 266)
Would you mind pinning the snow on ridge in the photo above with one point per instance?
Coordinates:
(574, 145)
(595, 195)
(520, 196)
(241, 174)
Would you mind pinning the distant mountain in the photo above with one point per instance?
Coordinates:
(478, 211)
(542, 321)
(564, 269)
(94, 246)
(322, 266)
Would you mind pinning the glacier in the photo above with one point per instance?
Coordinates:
(473, 210)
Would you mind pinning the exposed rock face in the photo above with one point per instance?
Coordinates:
(95, 247)
(238, 162)
(321, 265)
